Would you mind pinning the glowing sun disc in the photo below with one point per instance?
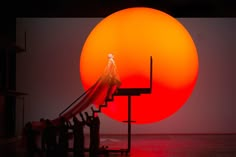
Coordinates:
(133, 35)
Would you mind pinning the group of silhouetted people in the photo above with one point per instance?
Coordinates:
(55, 139)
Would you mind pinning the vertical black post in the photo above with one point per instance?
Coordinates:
(151, 73)
(129, 122)
(25, 42)
(23, 112)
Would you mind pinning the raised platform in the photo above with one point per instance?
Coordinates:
(132, 91)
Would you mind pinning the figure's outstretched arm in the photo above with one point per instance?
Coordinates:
(69, 125)
(88, 119)
(82, 117)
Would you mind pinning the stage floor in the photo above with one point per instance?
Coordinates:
(149, 146)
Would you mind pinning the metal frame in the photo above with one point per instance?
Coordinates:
(134, 92)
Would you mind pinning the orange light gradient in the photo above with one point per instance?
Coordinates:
(133, 35)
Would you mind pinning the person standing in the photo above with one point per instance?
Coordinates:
(31, 142)
(49, 143)
(63, 143)
(78, 131)
(94, 124)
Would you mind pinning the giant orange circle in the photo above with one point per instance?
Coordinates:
(133, 35)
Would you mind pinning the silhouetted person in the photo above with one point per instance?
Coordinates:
(31, 142)
(63, 137)
(78, 131)
(49, 143)
(94, 125)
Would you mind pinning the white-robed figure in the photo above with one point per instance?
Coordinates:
(110, 69)
(111, 72)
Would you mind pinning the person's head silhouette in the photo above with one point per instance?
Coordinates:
(110, 56)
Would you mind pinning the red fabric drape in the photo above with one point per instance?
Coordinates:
(104, 87)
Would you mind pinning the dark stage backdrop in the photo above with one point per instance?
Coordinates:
(49, 72)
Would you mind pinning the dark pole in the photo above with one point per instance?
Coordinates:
(151, 74)
(23, 114)
(129, 123)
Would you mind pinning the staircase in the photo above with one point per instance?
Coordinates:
(99, 110)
